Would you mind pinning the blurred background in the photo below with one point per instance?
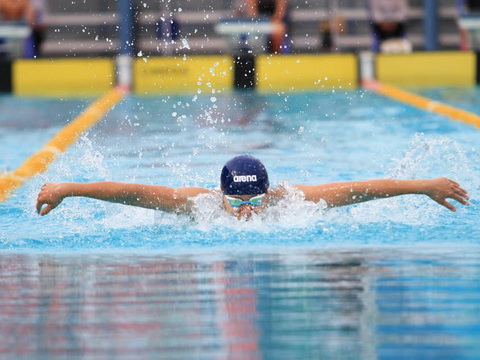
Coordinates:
(87, 28)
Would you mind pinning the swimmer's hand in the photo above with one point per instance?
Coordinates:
(441, 189)
(51, 195)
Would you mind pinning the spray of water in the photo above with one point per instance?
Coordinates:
(290, 212)
(426, 157)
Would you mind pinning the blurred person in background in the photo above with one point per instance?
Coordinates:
(39, 26)
(277, 11)
(17, 10)
(24, 11)
(327, 28)
(469, 37)
(468, 6)
(389, 25)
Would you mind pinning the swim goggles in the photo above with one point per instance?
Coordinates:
(254, 201)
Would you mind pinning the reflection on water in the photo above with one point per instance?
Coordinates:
(369, 303)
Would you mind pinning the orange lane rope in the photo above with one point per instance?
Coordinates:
(38, 162)
(423, 103)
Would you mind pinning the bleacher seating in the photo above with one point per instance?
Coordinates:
(90, 28)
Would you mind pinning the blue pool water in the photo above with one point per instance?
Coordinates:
(390, 279)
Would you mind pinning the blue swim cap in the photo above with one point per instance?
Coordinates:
(244, 175)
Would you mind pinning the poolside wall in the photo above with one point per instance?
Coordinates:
(62, 77)
(450, 68)
(170, 75)
(211, 74)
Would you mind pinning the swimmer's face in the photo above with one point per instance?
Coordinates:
(245, 210)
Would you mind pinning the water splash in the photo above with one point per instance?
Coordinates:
(435, 156)
(427, 157)
(184, 45)
(289, 212)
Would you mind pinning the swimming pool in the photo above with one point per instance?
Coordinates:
(395, 278)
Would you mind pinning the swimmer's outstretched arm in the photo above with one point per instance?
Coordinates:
(148, 196)
(346, 193)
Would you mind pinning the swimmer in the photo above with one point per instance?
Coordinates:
(245, 191)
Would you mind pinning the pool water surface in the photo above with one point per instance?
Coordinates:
(390, 279)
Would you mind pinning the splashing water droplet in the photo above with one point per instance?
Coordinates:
(185, 44)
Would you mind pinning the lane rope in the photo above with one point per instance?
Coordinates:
(39, 161)
(423, 102)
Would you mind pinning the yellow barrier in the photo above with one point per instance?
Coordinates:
(62, 77)
(443, 68)
(177, 75)
(306, 72)
(39, 161)
(424, 103)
